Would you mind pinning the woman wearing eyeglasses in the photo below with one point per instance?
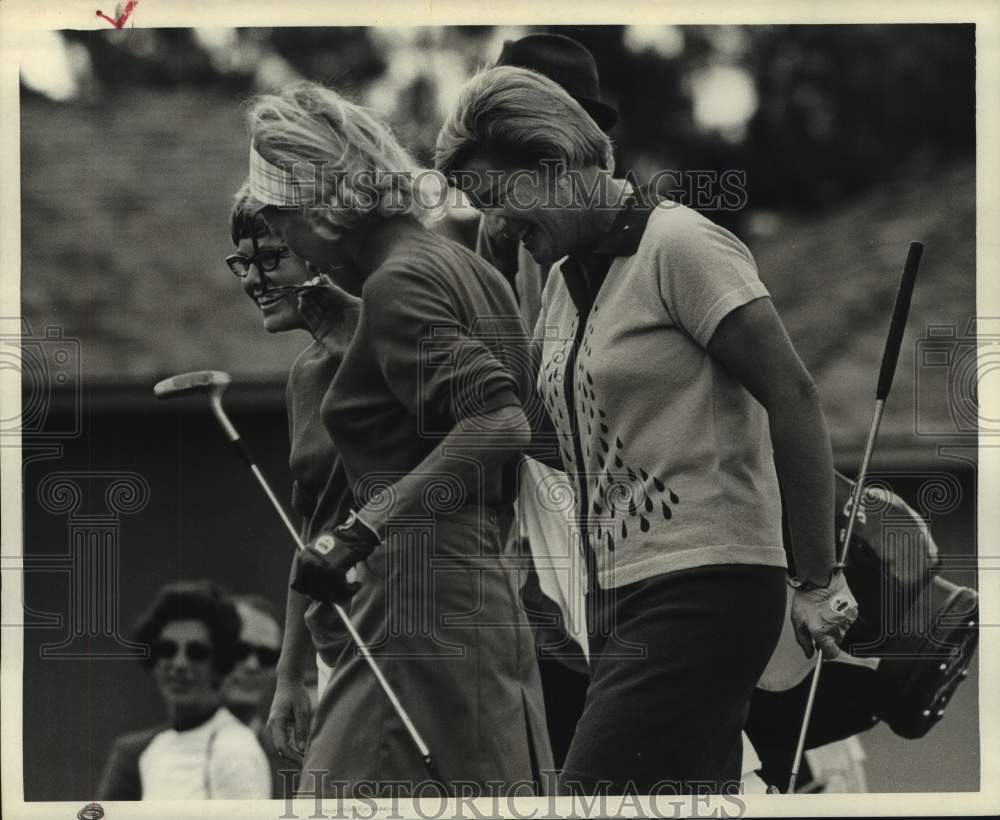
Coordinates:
(203, 752)
(425, 412)
(274, 279)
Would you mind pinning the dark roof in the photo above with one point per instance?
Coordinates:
(124, 230)
(834, 280)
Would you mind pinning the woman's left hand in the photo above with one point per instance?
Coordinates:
(823, 616)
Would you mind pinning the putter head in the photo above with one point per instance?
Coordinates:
(210, 382)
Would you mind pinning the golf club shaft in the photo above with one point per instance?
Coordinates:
(887, 371)
(848, 532)
(233, 435)
(859, 482)
(803, 731)
(418, 741)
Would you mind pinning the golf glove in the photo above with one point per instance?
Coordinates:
(320, 570)
(822, 615)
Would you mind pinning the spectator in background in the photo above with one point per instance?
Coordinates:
(248, 689)
(203, 752)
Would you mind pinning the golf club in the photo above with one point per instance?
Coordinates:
(213, 383)
(890, 357)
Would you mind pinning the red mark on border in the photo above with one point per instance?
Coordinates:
(123, 16)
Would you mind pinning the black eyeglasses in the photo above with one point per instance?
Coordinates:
(195, 651)
(266, 656)
(266, 260)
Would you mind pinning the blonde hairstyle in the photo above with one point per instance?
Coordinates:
(359, 169)
(519, 115)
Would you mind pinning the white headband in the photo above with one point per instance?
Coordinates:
(272, 185)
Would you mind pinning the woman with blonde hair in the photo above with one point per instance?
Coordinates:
(678, 404)
(426, 414)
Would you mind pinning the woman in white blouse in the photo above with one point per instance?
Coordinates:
(203, 752)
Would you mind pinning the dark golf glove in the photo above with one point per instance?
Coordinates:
(320, 570)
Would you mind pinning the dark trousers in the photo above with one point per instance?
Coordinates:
(674, 661)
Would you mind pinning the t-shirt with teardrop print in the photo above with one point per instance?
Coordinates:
(670, 456)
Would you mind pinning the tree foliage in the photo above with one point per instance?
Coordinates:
(840, 109)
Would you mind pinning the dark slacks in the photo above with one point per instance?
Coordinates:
(674, 661)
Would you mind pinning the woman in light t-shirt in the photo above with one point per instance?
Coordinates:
(275, 280)
(677, 403)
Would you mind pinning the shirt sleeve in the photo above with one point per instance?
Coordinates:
(121, 779)
(238, 768)
(704, 273)
(427, 354)
(544, 445)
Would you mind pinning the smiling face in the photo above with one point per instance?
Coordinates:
(254, 673)
(323, 249)
(533, 205)
(279, 308)
(182, 670)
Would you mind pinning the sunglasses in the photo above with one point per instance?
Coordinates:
(266, 656)
(265, 259)
(195, 651)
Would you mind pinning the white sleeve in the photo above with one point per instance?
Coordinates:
(704, 272)
(238, 768)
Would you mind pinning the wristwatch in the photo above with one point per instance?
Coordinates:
(357, 529)
(805, 585)
(349, 543)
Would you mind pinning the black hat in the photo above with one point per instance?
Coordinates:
(567, 62)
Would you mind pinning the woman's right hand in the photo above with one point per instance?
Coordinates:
(821, 617)
(291, 714)
(330, 311)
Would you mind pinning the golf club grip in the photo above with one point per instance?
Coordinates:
(432, 770)
(899, 315)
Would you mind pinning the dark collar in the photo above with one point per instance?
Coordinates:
(625, 233)
(621, 239)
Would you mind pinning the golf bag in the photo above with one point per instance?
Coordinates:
(903, 658)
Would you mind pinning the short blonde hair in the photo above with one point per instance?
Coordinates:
(359, 167)
(521, 116)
